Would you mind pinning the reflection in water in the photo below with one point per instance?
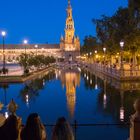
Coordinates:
(105, 96)
(31, 89)
(90, 81)
(110, 102)
(70, 79)
(96, 85)
(99, 100)
(27, 100)
(111, 99)
(5, 86)
(122, 106)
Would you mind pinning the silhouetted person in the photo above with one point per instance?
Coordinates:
(2, 117)
(11, 128)
(34, 129)
(62, 130)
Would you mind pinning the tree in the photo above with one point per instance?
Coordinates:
(24, 61)
(32, 61)
(124, 24)
(90, 44)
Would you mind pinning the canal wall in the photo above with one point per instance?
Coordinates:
(21, 79)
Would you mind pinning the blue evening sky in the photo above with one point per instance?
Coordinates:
(43, 21)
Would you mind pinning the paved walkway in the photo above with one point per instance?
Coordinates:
(13, 70)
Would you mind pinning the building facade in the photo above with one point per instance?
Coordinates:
(13, 51)
(69, 47)
(70, 43)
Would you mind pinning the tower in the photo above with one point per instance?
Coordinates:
(70, 43)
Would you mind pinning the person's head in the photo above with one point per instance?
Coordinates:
(32, 128)
(32, 120)
(62, 130)
(61, 122)
(1, 106)
(11, 126)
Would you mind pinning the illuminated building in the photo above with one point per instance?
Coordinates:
(69, 45)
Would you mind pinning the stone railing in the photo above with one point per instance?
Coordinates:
(114, 72)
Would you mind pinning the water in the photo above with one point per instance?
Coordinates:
(79, 96)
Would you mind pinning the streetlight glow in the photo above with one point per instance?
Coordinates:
(121, 44)
(95, 51)
(3, 33)
(36, 46)
(104, 49)
(25, 41)
(6, 115)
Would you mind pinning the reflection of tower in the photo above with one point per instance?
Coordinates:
(72, 80)
(122, 106)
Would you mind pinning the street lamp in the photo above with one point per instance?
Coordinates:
(122, 46)
(36, 46)
(3, 33)
(104, 49)
(95, 55)
(25, 42)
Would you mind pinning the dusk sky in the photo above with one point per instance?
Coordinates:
(42, 21)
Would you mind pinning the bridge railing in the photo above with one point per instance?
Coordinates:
(113, 71)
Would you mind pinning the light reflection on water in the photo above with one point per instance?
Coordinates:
(80, 96)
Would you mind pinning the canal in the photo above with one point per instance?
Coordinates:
(77, 95)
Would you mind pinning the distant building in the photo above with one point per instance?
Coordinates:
(13, 51)
(68, 48)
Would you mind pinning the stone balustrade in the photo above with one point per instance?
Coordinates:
(120, 74)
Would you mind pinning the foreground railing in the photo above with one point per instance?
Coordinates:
(77, 127)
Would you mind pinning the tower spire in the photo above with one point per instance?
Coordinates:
(70, 42)
(69, 4)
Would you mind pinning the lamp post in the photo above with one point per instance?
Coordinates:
(25, 42)
(3, 33)
(36, 47)
(95, 55)
(90, 57)
(121, 65)
(104, 49)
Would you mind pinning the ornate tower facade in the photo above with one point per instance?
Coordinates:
(70, 42)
